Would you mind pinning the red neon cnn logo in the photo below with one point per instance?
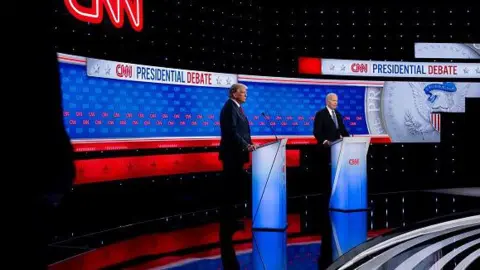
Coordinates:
(115, 10)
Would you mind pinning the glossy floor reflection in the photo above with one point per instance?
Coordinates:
(269, 249)
(348, 231)
(452, 244)
(298, 256)
(313, 236)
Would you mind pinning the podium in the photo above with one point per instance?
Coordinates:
(269, 190)
(349, 174)
(269, 206)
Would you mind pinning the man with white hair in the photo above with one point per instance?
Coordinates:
(328, 127)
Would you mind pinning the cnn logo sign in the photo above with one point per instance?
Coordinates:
(116, 10)
(362, 68)
(125, 71)
(354, 161)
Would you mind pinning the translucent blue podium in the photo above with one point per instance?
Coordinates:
(349, 174)
(269, 206)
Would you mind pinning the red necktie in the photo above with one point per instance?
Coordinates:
(241, 110)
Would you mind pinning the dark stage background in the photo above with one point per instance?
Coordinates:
(247, 38)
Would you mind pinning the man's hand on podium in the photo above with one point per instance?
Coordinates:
(252, 147)
(327, 143)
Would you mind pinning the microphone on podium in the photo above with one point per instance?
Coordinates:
(273, 131)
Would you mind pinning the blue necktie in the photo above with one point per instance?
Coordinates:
(334, 116)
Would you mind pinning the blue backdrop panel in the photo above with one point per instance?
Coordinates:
(269, 187)
(99, 108)
(106, 108)
(348, 231)
(269, 250)
(292, 107)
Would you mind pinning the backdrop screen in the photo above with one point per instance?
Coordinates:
(100, 108)
(111, 101)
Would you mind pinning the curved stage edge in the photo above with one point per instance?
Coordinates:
(441, 243)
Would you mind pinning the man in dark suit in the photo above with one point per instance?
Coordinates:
(328, 127)
(235, 145)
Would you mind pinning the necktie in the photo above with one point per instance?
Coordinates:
(334, 116)
(241, 110)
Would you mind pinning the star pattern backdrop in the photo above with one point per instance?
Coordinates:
(100, 108)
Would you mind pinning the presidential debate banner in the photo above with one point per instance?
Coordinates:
(111, 105)
(149, 74)
(428, 70)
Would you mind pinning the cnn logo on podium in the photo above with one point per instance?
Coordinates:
(116, 10)
(354, 161)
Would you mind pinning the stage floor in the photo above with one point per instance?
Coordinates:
(299, 256)
(190, 241)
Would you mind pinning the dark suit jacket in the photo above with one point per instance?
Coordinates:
(235, 133)
(324, 127)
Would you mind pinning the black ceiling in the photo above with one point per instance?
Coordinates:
(246, 38)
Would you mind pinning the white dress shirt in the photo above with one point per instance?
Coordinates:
(330, 111)
(235, 102)
(331, 115)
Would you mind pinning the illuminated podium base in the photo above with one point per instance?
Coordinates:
(269, 206)
(349, 174)
(348, 199)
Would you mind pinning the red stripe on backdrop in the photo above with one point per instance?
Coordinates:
(121, 168)
(105, 145)
(381, 140)
(157, 244)
(89, 146)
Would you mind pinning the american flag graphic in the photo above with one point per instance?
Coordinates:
(435, 120)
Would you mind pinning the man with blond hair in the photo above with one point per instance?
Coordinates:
(235, 145)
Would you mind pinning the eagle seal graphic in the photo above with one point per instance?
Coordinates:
(433, 98)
